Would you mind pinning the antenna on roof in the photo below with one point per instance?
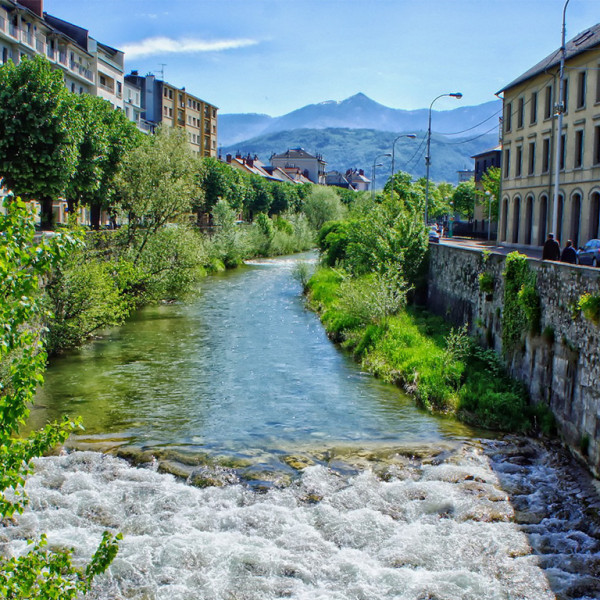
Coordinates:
(162, 70)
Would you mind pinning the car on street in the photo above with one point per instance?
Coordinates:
(434, 235)
(589, 254)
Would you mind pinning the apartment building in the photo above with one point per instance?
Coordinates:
(170, 106)
(529, 140)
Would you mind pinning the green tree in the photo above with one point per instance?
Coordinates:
(491, 183)
(464, 199)
(38, 573)
(107, 135)
(38, 133)
(157, 185)
(323, 204)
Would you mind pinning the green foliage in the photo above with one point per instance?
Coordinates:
(321, 205)
(332, 241)
(302, 273)
(521, 301)
(441, 367)
(157, 185)
(38, 132)
(486, 282)
(589, 304)
(38, 573)
(464, 198)
(491, 183)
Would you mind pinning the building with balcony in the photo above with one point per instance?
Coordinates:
(170, 106)
(311, 167)
(529, 141)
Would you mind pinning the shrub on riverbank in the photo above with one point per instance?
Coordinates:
(442, 368)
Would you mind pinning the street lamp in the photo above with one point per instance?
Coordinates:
(458, 96)
(490, 198)
(411, 136)
(560, 109)
(374, 165)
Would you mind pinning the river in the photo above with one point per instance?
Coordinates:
(244, 456)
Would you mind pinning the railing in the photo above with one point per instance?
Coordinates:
(27, 38)
(13, 30)
(77, 68)
(2, 24)
(39, 46)
(62, 58)
(106, 88)
(50, 53)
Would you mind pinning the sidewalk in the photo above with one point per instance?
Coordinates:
(492, 246)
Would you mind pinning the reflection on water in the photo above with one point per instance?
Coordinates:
(244, 370)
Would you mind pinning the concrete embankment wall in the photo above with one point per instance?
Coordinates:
(561, 365)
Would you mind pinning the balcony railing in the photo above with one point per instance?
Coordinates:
(26, 38)
(62, 58)
(50, 53)
(77, 68)
(39, 46)
(106, 88)
(12, 30)
(2, 24)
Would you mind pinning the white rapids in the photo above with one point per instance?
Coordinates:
(426, 530)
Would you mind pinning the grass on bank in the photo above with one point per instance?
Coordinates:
(441, 367)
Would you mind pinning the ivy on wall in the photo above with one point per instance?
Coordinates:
(589, 305)
(522, 310)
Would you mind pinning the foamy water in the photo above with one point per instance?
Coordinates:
(414, 529)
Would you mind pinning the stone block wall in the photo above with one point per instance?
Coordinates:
(561, 365)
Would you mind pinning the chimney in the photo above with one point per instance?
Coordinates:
(228, 158)
(250, 161)
(36, 6)
(361, 172)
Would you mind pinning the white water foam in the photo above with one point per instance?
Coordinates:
(432, 532)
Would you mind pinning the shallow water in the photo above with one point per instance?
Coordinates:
(298, 476)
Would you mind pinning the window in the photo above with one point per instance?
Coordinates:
(581, 85)
(563, 139)
(533, 113)
(548, 102)
(597, 145)
(546, 155)
(519, 161)
(597, 83)
(531, 158)
(508, 117)
(578, 163)
(507, 163)
(165, 93)
(521, 113)
(102, 80)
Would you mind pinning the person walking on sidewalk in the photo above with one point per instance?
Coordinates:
(551, 249)
(569, 254)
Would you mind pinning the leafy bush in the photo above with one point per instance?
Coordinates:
(589, 304)
(321, 205)
(486, 282)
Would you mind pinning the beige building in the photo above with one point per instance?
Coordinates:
(311, 167)
(163, 103)
(528, 148)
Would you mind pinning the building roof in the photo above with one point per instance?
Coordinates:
(296, 153)
(586, 40)
(490, 151)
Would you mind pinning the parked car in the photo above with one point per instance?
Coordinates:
(590, 254)
(434, 236)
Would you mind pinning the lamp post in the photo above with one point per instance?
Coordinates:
(411, 136)
(560, 109)
(458, 96)
(375, 165)
(490, 198)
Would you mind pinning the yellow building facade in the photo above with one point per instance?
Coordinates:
(529, 138)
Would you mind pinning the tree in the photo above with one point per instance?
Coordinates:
(464, 198)
(107, 135)
(39, 573)
(491, 183)
(157, 185)
(38, 133)
(321, 205)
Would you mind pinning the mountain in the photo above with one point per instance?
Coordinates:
(360, 112)
(344, 148)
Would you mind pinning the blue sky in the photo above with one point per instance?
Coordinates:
(273, 56)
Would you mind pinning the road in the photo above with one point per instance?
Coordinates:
(491, 246)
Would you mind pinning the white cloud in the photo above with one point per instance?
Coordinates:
(163, 45)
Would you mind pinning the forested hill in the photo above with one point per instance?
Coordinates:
(345, 148)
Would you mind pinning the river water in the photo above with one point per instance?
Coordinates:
(244, 456)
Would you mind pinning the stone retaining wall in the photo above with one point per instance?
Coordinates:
(561, 365)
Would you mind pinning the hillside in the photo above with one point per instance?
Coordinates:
(360, 112)
(344, 148)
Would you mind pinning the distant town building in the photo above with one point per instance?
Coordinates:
(464, 175)
(163, 103)
(311, 167)
(352, 179)
(529, 144)
(483, 161)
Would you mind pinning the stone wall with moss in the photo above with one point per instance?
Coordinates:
(555, 353)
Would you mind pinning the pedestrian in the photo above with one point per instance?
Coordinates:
(551, 249)
(569, 254)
